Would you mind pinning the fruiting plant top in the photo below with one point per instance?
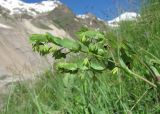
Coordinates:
(98, 52)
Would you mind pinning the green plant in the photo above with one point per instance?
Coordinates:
(98, 53)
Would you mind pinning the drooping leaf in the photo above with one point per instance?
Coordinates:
(66, 42)
(68, 67)
(53, 39)
(37, 38)
(97, 65)
(70, 44)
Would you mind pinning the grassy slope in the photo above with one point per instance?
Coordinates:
(111, 93)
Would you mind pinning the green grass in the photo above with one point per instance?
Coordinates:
(81, 95)
(108, 93)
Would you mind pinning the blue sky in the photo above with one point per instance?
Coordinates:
(105, 9)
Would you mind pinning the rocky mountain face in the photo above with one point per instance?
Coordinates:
(64, 18)
(18, 20)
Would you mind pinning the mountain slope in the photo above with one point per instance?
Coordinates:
(16, 56)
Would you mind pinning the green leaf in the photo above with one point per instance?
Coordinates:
(86, 62)
(53, 39)
(96, 65)
(93, 48)
(124, 66)
(92, 35)
(101, 52)
(115, 70)
(37, 38)
(84, 65)
(84, 48)
(66, 43)
(70, 44)
(68, 67)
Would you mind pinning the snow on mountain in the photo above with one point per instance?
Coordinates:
(86, 16)
(131, 16)
(18, 6)
(82, 16)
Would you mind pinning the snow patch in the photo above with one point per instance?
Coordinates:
(99, 19)
(130, 16)
(18, 6)
(83, 16)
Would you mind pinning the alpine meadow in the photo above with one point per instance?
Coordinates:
(115, 70)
